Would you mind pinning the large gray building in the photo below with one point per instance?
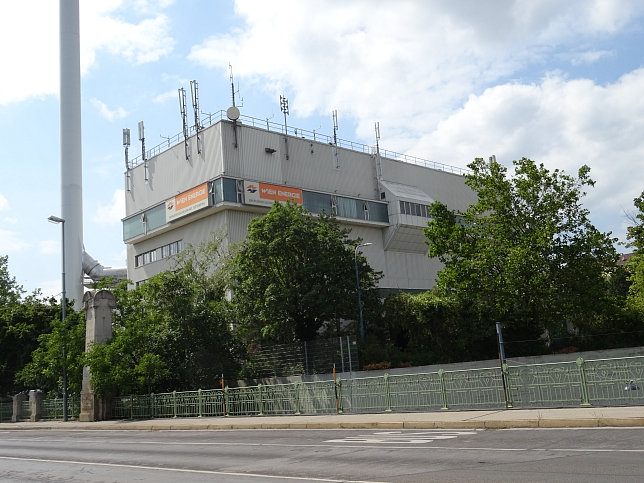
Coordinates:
(217, 178)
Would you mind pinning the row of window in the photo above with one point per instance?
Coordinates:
(227, 189)
(163, 252)
(416, 209)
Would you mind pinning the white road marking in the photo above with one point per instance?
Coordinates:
(400, 437)
(182, 470)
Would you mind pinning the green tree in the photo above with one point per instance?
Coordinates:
(293, 273)
(525, 253)
(636, 263)
(171, 333)
(45, 369)
(22, 321)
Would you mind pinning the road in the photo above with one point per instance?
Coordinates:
(584, 455)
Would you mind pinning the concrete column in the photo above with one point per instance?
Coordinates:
(98, 321)
(18, 399)
(35, 401)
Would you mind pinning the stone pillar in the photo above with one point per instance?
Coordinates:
(18, 399)
(98, 321)
(35, 401)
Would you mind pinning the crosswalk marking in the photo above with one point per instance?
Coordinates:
(402, 437)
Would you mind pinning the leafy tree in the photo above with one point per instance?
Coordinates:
(294, 273)
(171, 333)
(45, 370)
(22, 321)
(525, 253)
(636, 263)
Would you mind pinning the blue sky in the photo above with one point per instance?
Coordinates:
(559, 82)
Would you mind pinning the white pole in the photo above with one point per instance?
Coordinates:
(71, 168)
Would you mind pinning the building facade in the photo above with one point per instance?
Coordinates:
(219, 177)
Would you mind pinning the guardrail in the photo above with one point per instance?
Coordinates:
(603, 382)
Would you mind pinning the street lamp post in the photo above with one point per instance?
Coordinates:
(55, 219)
(355, 261)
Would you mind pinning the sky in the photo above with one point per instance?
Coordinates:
(561, 83)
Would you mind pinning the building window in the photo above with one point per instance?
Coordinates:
(145, 258)
(171, 249)
(415, 209)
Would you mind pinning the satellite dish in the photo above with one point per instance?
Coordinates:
(232, 113)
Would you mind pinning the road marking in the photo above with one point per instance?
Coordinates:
(400, 437)
(183, 470)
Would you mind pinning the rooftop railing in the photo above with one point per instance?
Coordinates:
(213, 118)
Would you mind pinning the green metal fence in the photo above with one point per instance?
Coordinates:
(6, 411)
(605, 382)
(53, 408)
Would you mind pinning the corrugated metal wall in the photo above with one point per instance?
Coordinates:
(311, 166)
(169, 173)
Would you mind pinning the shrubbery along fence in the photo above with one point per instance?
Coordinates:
(602, 382)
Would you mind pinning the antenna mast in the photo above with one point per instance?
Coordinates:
(377, 155)
(126, 145)
(184, 119)
(336, 158)
(194, 94)
(284, 109)
(335, 127)
(145, 158)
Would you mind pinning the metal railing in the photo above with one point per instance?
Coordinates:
(604, 382)
(213, 118)
(53, 408)
(6, 411)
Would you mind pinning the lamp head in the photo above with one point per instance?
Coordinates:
(56, 219)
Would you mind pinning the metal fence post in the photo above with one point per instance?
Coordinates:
(298, 402)
(226, 402)
(339, 395)
(132, 406)
(387, 393)
(200, 402)
(585, 400)
(174, 404)
(261, 399)
(441, 376)
(152, 405)
(507, 387)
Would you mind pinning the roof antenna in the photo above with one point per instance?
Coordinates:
(194, 94)
(377, 128)
(284, 109)
(335, 139)
(126, 145)
(377, 156)
(145, 158)
(335, 127)
(233, 112)
(184, 120)
(232, 86)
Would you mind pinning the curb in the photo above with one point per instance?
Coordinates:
(478, 424)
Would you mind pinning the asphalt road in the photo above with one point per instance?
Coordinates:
(583, 454)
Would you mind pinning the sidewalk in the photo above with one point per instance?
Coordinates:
(492, 419)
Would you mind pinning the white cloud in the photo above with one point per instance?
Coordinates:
(106, 112)
(48, 247)
(111, 214)
(29, 34)
(407, 65)
(11, 242)
(4, 203)
(590, 56)
(562, 123)
(166, 96)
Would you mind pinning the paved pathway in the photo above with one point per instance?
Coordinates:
(492, 419)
